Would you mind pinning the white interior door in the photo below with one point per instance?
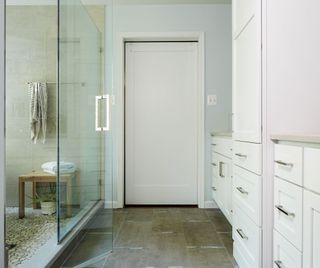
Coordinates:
(161, 123)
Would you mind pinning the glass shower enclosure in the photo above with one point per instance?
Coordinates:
(79, 136)
(56, 53)
(84, 130)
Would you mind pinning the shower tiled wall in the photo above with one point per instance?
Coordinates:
(31, 56)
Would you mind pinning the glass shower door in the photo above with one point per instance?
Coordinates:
(83, 126)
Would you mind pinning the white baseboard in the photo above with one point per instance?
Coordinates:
(210, 204)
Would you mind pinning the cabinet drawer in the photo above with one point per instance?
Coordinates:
(284, 253)
(222, 146)
(214, 183)
(247, 240)
(247, 193)
(214, 194)
(215, 164)
(243, 11)
(288, 211)
(311, 230)
(312, 169)
(288, 163)
(248, 156)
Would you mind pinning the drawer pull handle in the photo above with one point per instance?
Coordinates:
(214, 144)
(284, 211)
(214, 188)
(220, 169)
(240, 189)
(283, 163)
(241, 155)
(279, 264)
(214, 164)
(242, 235)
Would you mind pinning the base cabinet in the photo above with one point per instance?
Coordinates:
(296, 208)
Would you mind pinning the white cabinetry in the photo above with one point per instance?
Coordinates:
(288, 211)
(221, 163)
(247, 193)
(296, 203)
(284, 253)
(247, 70)
(247, 132)
(311, 230)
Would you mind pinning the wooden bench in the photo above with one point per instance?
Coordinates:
(40, 176)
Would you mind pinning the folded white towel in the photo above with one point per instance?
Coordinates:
(64, 167)
(61, 171)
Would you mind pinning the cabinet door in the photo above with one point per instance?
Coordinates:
(215, 179)
(225, 185)
(243, 11)
(311, 230)
(214, 182)
(247, 82)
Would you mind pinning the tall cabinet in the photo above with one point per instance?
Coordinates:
(247, 133)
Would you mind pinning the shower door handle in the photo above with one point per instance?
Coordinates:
(106, 127)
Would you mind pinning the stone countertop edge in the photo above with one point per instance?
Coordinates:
(221, 134)
(296, 138)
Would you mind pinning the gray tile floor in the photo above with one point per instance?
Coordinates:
(170, 237)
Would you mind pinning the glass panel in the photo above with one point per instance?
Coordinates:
(81, 146)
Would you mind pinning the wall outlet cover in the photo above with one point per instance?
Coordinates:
(212, 100)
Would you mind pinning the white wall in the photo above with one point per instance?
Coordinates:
(215, 21)
(293, 73)
(2, 158)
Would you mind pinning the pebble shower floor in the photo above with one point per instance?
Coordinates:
(27, 234)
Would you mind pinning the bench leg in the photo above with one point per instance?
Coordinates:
(21, 199)
(34, 192)
(69, 198)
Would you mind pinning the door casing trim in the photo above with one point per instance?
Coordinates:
(119, 83)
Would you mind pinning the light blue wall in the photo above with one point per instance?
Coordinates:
(215, 21)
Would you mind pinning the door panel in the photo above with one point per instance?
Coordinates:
(161, 123)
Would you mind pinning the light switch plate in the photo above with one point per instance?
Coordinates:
(212, 100)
